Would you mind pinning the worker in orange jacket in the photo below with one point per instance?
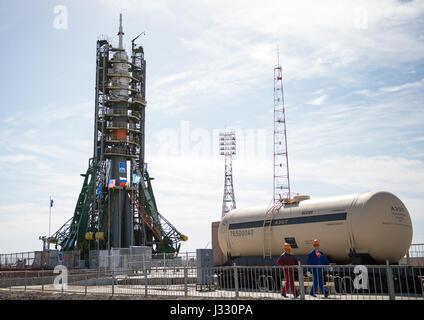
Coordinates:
(286, 259)
(317, 258)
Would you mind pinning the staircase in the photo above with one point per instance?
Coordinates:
(140, 212)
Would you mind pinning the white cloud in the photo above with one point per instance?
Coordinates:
(8, 119)
(398, 175)
(417, 139)
(232, 45)
(365, 92)
(16, 158)
(318, 101)
(389, 89)
(409, 85)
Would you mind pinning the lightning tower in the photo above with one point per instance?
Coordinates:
(227, 148)
(281, 181)
(116, 207)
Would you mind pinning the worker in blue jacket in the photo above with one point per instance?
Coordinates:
(317, 258)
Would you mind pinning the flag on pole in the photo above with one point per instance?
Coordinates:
(122, 181)
(51, 203)
(111, 183)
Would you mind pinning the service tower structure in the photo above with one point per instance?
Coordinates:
(116, 207)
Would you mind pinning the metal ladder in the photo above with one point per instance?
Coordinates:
(145, 190)
(267, 227)
(163, 228)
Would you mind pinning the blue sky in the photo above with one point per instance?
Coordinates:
(353, 81)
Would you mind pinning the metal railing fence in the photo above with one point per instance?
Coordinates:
(22, 260)
(17, 260)
(42, 259)
(415, 255)
(370, 282)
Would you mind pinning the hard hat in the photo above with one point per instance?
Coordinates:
(316, 242)
(287, 246)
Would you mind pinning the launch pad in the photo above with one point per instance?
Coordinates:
(116, 207)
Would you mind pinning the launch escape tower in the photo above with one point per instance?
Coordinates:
(227, 148)
(116, 207)
(281, 181)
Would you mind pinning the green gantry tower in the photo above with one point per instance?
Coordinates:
(116, 207)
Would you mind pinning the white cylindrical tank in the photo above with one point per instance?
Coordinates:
(373, 223)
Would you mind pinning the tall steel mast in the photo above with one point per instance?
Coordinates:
(281, 181)
(227, 148)
(281, 187)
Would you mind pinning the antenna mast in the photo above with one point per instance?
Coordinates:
(281, 187)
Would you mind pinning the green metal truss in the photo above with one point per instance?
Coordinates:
(72, 235)
(171, 237)
(73, 231)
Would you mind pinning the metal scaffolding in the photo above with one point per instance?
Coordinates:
(116, 207)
